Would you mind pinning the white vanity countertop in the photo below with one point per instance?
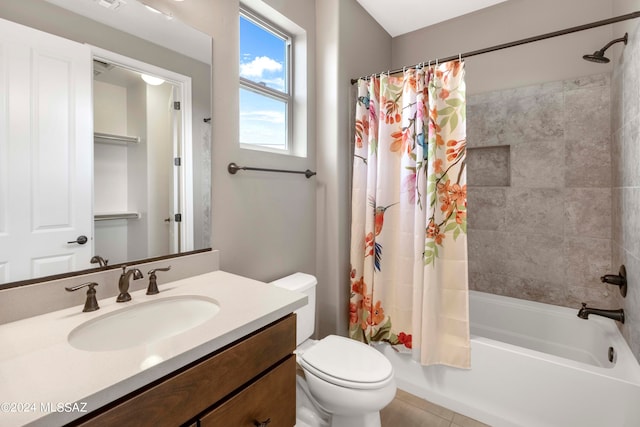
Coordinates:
(44, 381)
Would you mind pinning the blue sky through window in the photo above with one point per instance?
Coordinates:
(262, 56)
(263, 119)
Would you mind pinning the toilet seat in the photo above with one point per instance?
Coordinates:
(347, 363)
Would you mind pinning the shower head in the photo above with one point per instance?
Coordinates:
(598, 56)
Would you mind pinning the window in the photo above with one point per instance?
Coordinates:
(266, 104)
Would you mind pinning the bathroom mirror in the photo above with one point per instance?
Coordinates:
(133, 35)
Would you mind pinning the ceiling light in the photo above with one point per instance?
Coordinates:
(159, 12)
(153, 81)
(111, 4)
(152, 9)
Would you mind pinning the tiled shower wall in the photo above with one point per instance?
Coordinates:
(539, 192)
(625, 157)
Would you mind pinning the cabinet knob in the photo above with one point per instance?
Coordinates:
(262, 423)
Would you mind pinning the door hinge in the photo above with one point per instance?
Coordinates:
(177, 161)
(177, 217)
(176, 105)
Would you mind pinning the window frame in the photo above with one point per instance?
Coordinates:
(286, 97)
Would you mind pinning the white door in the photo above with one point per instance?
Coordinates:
(46, 143)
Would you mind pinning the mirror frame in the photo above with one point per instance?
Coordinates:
(35, 280)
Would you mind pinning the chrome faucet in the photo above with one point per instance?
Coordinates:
(123, 283)
(585, 311)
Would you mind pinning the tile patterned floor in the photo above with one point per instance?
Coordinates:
(407, 410)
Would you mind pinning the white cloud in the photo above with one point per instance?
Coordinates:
(263, 116)
(255, 69)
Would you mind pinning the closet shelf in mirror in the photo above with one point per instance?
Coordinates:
(116, 215)
(107, 138)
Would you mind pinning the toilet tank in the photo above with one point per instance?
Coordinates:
(306, 316)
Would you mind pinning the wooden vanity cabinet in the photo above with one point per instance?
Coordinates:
(249, 382)
(268, 401)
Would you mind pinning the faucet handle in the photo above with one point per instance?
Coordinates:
(90, 285)
(153, 280)
(91, 304)
(159, 269)
(619, 280)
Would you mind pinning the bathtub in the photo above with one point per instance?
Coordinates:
(533, 364)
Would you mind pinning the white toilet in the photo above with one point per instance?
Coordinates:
(346, 383)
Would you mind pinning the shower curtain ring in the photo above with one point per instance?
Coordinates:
(460, 57)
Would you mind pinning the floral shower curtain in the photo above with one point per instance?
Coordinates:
(409, 215)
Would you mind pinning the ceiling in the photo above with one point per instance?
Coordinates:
(133, 17)
(398, 17)
(401, 17)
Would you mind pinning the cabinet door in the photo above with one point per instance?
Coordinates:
(45, 153)
(269, 401)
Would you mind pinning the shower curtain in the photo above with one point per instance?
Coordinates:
(409, 215)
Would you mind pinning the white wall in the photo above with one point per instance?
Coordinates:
(110, 160)
(350, 44)
(137, 166)
(621, 7)
(263, 223)
(554, 59)
(109, 112)
(110, 171)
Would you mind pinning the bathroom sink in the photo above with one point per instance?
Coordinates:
(143, 323)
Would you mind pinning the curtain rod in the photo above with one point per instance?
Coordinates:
(613, 20)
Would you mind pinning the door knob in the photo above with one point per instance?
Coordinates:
(81, 240)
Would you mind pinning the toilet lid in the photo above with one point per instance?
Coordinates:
(346, 362)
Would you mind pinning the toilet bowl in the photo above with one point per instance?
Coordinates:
(346, 383)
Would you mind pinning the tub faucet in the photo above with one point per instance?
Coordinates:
(585, 311)
(123, 283)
